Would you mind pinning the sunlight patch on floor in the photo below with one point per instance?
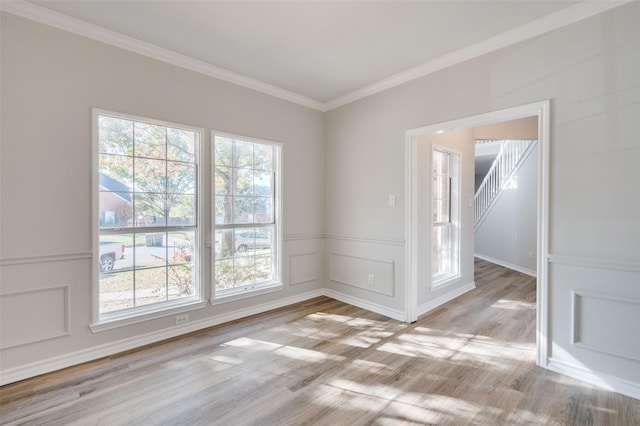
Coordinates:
(307, 355)
(514, 305)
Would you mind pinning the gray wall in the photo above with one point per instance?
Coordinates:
(507, 236)
(50, 81)
(339, 170)
(591, 73)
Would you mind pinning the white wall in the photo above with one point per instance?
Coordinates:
(50, 81)
(591, 72)
(507, 236)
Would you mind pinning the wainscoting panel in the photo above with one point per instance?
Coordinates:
(593, 327)
(34, 315)
(367, 273)
(302, 268)
(595, 315)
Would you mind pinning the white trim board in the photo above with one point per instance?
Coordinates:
(542, 111)
(365, 304)
(559, 19)
(431, 305)
(63, 361)
(85, 29)
(507, 265)
(601, 380)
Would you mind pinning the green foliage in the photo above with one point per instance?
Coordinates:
(157, 163)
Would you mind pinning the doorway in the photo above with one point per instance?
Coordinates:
(415, 141)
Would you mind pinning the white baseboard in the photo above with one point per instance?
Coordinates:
(67, 360)
(364, 304)
(507, 265)
(605, 381)
(441, 300)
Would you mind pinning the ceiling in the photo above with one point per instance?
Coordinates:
(322, 53)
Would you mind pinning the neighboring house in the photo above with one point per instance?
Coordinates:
(115, 198)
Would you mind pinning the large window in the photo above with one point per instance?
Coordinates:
(246, 215)
(445, 259)
(146, 182)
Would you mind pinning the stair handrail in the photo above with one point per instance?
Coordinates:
(500, 173)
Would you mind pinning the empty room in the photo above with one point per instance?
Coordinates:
(319, 212)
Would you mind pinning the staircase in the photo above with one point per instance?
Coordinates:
(504, 167)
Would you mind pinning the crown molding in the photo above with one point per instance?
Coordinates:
(85, 29)
(559, 19)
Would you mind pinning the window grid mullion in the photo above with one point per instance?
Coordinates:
(132, 229)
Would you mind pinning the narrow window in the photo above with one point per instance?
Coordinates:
(147, 215)
(446, 219)
(246, 211)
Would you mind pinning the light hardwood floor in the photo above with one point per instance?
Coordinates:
(471, 361)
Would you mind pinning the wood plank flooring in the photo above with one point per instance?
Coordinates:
(471, 361)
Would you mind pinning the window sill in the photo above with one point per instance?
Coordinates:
(153, 312)
(245, 293)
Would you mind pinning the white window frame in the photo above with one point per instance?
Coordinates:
(252, 289)
(454, 194)
(134, 315)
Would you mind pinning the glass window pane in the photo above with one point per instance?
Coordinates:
(244, 255)
(150, 141)
(245, 240)
(437, 238)
(264, 269)
(116, 291)
(181, 247)
(113, 251)
(263, 184)
(264, 240)
(115, 136)
(251, 239)
(182, 210)
(150, 176)
(223, 150)
(116, 172)
(153, 252)
(437, 263)
(222, 180)
(223, 210)
(224, 274)
(244, 271)
(242, 209)
(181, 178)
(150, 285)
(115, 209)
(440, 163)
(181, 281)
(150, 209)
(263, 210)
(181, 145)
(243, 154)
(147, 177)
(263, 157)
(244, 182)
(224, 243)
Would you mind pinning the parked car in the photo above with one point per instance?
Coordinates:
(252, 239)
(109, 253)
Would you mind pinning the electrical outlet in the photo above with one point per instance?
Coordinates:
(181, 319)
(371, 279)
